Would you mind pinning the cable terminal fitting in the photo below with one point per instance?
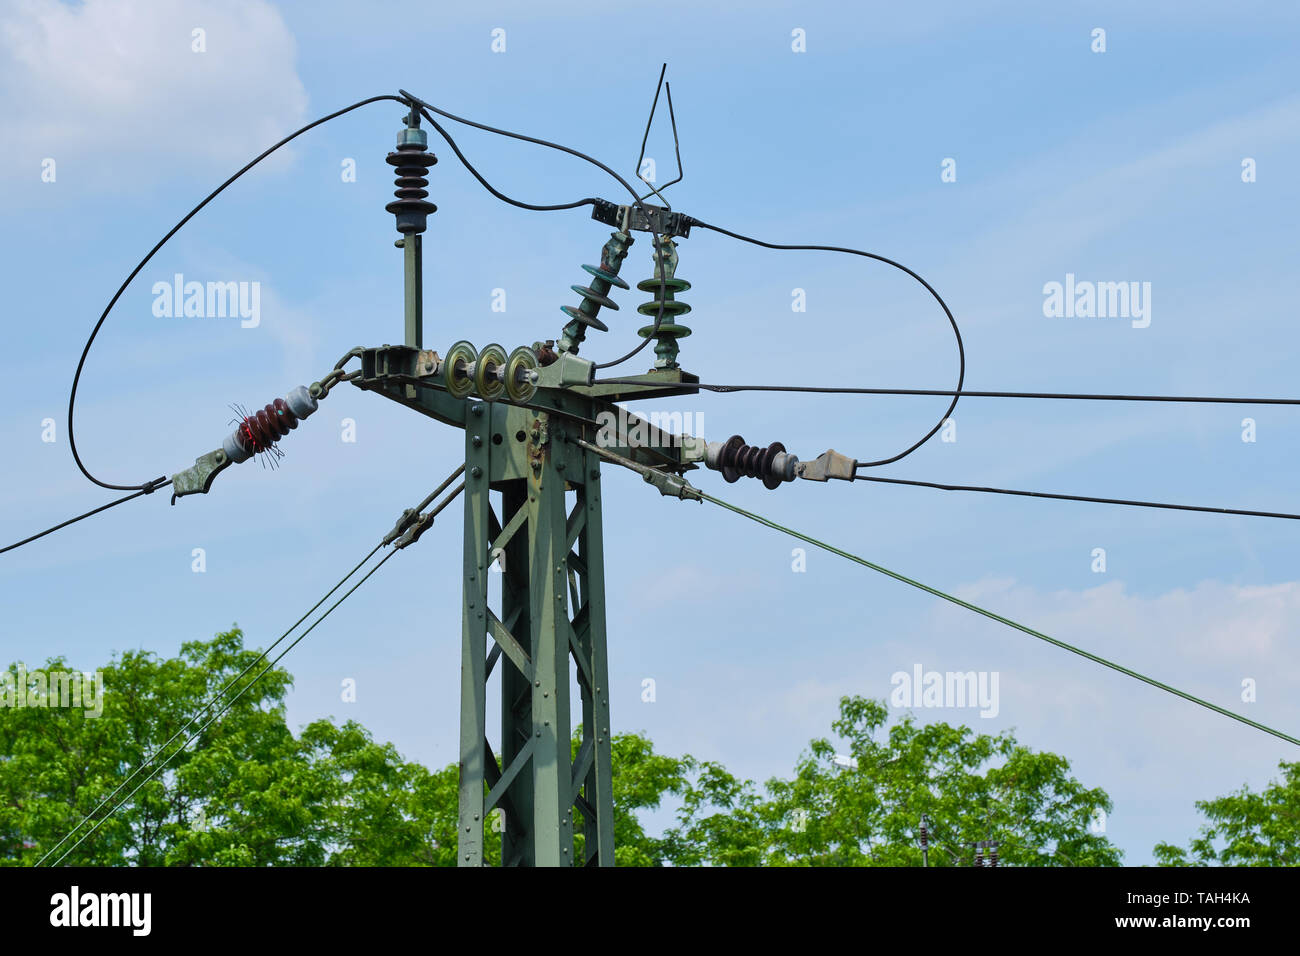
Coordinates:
(198, 479)
(829, 464)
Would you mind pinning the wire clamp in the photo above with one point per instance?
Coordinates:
(421, 524)
(408, 518)
(643, 217)
(671, 485)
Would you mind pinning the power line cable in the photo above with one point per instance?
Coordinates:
(678, 487)
(675, 486)
(112, 504)
(657, 191)
(422, 105)
(1009, 491)
(961, 349)
(487, 185)
(212, 700)
(1002, 620)
(965, 393)
(1085, 498)
(406, 99)
(76, 379)
(215, 716)
(403, 522)
(636, 200)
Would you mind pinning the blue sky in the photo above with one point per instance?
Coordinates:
(1117, 166)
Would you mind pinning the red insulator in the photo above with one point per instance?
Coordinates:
(264, 428)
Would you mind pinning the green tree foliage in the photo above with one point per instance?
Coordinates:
(237, 795)
(970, 786)
(642, 778)
(248, 792)
(1245, 828)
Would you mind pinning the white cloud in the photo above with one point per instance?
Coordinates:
(1199, 630)
(114, 85)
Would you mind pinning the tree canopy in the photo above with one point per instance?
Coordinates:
(249, 792)
(1245, 828)
(866, 810)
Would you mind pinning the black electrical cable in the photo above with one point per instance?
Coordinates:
(72, 397)
(487, 185)
(520, 136)
(1087, 397)
(698, 495)
(1085, 498)
(407, 100)
(644, 342)
(965, 393)
(636, 200)
(961, 349)
(522, 205)
(659, 316)
(144, 491)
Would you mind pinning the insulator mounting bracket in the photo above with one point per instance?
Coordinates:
(643, 218)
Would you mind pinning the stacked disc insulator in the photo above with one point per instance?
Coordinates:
(735, 460)
(412, 164)
(595, 296)
(665, 286)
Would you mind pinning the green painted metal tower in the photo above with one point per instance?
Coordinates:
(533, 513)
(549, 631)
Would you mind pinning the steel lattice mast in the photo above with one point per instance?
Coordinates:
(532, 507)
